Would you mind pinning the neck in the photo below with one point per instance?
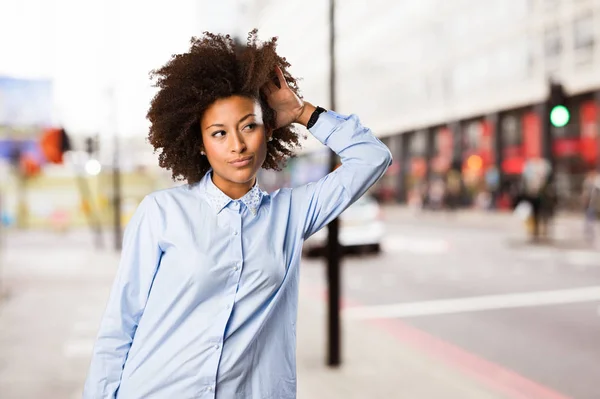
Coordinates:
(232, 190)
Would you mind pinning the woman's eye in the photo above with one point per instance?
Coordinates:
(220, 133)
(251, 126)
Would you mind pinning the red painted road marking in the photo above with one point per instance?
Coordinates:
(496, 377)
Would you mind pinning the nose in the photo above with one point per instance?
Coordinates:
(237, 143)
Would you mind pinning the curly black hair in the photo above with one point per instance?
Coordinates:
(215, 67)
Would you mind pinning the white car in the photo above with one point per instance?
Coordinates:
(361, 228)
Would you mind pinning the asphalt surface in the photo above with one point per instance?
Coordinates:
(530, 309)
(530, 314)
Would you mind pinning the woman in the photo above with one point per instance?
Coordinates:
(204, 303)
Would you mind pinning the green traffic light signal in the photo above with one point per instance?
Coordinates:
(559, 116)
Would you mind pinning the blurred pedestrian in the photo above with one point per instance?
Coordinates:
(453, 188)
(535, 189)
(205, 299)
(548, 204)
(437, 191)
(591, 203)
(527, 205)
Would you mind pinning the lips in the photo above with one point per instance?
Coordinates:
(240, 162)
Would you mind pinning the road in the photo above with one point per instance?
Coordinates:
(467, 307)
(529, 310)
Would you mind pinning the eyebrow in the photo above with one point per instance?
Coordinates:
(240, 121)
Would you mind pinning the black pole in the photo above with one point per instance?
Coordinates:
(497, 150)
(429, 154)
(333, 245)
(117, 194)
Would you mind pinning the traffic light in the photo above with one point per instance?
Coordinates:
(91, 145)
(557, 104)
(54, 143)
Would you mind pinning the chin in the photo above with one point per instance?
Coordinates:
(242, 175)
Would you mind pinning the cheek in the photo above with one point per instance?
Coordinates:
(213, 151)
(261, 148)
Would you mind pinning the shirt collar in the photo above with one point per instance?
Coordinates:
(219, 200)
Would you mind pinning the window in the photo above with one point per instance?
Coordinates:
(472, 135)
(511, 133)
(552, 42)
(583, 32)
(418, 143)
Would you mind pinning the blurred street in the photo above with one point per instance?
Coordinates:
(535, 338)
(475, 263)
(475, 284)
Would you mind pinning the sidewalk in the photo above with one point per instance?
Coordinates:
(57, 289)
(375, 364)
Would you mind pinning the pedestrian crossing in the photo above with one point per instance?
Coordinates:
(416, 245)
(474, 304)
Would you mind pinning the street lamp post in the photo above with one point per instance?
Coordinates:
(333, 245)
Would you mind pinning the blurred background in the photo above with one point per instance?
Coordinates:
(471, 269)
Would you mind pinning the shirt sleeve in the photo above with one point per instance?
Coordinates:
(364, 160)
(139, 262)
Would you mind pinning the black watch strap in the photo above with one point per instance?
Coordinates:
(314, 117)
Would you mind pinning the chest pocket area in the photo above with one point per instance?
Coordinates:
(192, 267)
(265, 265)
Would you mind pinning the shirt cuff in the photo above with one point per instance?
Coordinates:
(326, 124)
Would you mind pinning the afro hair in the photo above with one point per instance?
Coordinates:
(215, 67)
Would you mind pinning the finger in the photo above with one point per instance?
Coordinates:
(269, 88)
(266, 89)
(282, 81)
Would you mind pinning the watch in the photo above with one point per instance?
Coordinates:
(315, 116)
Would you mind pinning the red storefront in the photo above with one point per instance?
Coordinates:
(443, 151)
(588, 127)
(522, 141)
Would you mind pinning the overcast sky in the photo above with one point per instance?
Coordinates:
(88, 46)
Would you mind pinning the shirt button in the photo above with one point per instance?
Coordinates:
(228, 306)
(236, 268)
(235, 233)
(209, 389)
(217, 346)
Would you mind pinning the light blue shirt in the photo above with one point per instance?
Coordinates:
(204, 303)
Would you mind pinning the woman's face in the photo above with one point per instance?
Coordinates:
(235, 143)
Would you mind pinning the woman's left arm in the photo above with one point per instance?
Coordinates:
(364, 159)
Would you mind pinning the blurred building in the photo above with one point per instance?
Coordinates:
(460, 84)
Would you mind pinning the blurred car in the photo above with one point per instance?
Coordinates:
(361, 229)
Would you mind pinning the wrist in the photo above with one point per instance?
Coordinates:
(304, 116)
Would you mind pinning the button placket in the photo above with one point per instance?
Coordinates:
(238, 240)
